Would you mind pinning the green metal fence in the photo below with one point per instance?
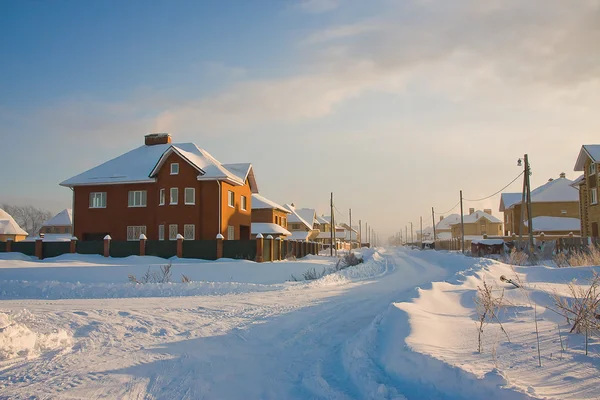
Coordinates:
(161, 248)
(27, 248)
(55, 249)
(2, 247)
(90, 247)
(124, 248)
(203, 249)
(239, 249)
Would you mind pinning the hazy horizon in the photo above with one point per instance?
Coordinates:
(394, 106)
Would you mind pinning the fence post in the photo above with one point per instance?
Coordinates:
(9, 245)
(278, 244)
(259, 248)
(179, 246)
(270, 239)
(73, 247)
(143, 239)
(107, 240)
(39, 249)
(220, 246)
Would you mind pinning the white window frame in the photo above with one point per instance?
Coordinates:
(189, 232)
(592, 170)
(131, 198)
(171, 202)
(134, 232)
(98, 200)
(173, 231)
(161, 232)
(162, 196)
(244, 203)
(231, 232)
(174, 168)
(185, 195)
(594, 196)
(231, 199)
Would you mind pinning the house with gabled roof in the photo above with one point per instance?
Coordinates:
(587, 185)
(443, 229)
(61, 223)
(554, 209)
(302, 223)
(268, 217)
(163, 189)
(9, 229)
(477, 224)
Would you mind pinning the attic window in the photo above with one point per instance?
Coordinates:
(174, 168)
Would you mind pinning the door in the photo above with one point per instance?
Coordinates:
(595, 229)
(244, 232)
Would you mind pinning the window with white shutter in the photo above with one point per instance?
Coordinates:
(189, 231)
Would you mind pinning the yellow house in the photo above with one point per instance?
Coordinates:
(9, 229)
(554, 209)
(478, 223)
(587, 162)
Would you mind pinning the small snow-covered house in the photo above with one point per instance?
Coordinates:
(443, 229)
(61, 223)
(557, 201)
(325, 234)
(477, 224)
(587, 185)
(163, 189)
(9, 229)
(302, 223)
(268, 217)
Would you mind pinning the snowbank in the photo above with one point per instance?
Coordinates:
(18, 340)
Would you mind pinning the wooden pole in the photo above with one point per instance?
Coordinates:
(433, 220)
(332, 227)
(523, 197)
(529, 216)
(350, 217)
(421, 218)
(462, 224)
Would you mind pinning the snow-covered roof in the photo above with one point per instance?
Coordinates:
(591, 151)
(447, 222)
(63, 218)
(488, 241)
(51, 237)
(327, 235)
(8, 225)
(260, 202)
(142, 164)
(305, 216)
(299, 235)
(550, 224)
(322, 220)
(268, 229)
(444, 235)
(476, 216)
(507, 200)
(556, 190)
(577, 182)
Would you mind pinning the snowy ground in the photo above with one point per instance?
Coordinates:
(366, 332)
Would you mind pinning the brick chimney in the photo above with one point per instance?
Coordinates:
(157, 138)
(441, 218)
(563, 175)
(471, 211)
(487, 211)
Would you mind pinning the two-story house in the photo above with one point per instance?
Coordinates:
(477, 224)
(554, 209)
(61, 223)
(268, 217)
(443, 229)
(161, 190)
(587, 162)
(302, 223)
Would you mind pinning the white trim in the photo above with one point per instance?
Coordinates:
(174, 164)
(161, 232)
(134, 232)
(193, 196)
(231, 198)
(594, 194)
(244, 203)
(151, 180)
(231, 232)
(173, 236)
(162, 197)
(171, 202)
(91, 202)
(168, 152)
(186, 227)
(143, 196)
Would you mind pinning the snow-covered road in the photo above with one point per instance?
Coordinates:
(284, 344)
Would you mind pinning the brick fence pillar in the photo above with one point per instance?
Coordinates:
(107, 240)
(9, 245)
(143, 239)
(259, 248)
(39, 249)
(73, 246)
(179, 246)
(278, 245)
(220, 246)
(271, 244)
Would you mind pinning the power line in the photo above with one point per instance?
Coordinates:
(492, 195)
(452, 209)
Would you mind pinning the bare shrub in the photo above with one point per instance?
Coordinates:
(290, 256)
(185, 279)
(590, 257)
(163, 275)
(561, 260)
(581, 308)
(487, 306)
(516, 257)
(312, 274)
(351, 260)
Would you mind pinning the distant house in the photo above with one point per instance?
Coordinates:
(161, 190)
(325, 229)
(443, 229)
(554, 209)
(477, 224)
(587, 162)
(61, 223)
(302, 223)
(268, 217)
(9, 229)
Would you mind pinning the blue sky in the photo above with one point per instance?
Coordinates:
(393, 105)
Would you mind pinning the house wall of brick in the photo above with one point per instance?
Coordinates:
(546, 209)
(270, 216)
(478, 228)
(592, 210)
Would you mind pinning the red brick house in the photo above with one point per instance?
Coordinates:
(163, 189)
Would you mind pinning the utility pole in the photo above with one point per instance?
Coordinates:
(332, 235)
(406, 232)
(433, 221)
(367, 234)
(529, 218)
(351, 230)
(360, 234)
(421, 229)
(462, 223)
(412, 239)
(523, 205)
